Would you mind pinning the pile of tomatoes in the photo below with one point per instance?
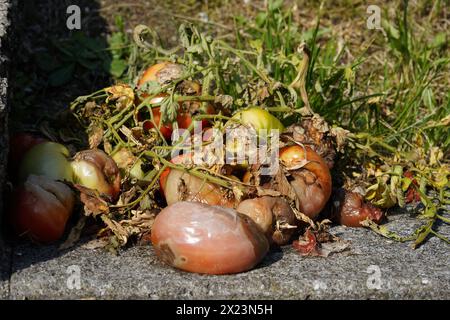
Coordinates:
(45, 177)
(48, 180)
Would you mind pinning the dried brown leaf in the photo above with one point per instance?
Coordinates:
(74, 235)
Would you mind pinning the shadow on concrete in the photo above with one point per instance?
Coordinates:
(50, 66)
(275, 254)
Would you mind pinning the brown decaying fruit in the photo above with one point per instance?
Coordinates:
(273, 215)
(161, 72)
(311, 178)
(314, 132)
(200, 238)
(182, 186)
(96, 170)
(351, 210)
(41, 208)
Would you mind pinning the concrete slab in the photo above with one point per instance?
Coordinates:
(374, 268)
(5, 265)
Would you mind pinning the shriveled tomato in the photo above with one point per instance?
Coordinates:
(311, 178)
(161, 72)
(41, 208)
(94, 169)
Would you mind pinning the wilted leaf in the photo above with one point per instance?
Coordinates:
(74, 235)
(122, 94)
(95, 135)
(93, 203)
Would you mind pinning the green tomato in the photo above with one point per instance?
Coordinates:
(137, 173)
(47, 159)
(259, 119)
(124, 159)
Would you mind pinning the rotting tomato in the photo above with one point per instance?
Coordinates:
(165, 128)
(350, 209)
(183, 158)
(273, 215)
(47, 159)
(161, 72)
(195, 189)
(200, 238)
(41, 207)
(184, 117)
(94, 169)
(311, 178)
(164, 72)
(19, 145)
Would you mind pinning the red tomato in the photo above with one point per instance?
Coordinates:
(166, 129)
(163, 72)
(41, 208)
(184, 119)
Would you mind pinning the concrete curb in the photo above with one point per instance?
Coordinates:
(5, 264)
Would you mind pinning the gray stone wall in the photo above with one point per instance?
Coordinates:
(4, 26)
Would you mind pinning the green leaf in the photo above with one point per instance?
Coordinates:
(47, 62)
(428, 98)
(116, 42)
(256, 44)
(422, 233)
(261, 19)
(90, 64)
(169, 109)
(62, 75)
(150, 87)
(440, 40)
(275, 5)
(117, 67)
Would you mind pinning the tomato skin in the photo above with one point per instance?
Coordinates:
(166, 129)
(48, 159)
(95, 170)
(20, 144)
(177, 160)
(312, 181)
(184, 119)
(41, 208)
(161, 72)
(259, 119)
